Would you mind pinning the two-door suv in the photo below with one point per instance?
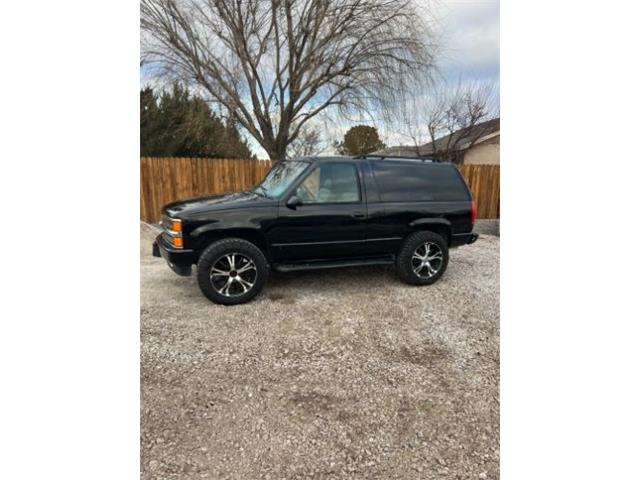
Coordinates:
(321, 212)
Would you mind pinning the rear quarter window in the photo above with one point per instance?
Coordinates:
(418, 181)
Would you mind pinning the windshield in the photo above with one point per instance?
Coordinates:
(279, 178)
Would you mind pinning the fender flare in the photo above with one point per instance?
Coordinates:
(244, 230)
(440, 223)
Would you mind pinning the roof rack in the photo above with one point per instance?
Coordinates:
(400, 157)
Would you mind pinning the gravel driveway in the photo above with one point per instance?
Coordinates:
(328, 374)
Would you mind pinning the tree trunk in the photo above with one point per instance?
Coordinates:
(277, 151)
(277, 154)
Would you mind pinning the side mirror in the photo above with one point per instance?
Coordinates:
(293, 202)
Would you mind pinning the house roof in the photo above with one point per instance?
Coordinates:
(459, 140)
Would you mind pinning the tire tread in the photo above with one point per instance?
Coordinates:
(403, 259)
(217, 248)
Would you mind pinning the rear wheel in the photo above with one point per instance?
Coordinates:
(423, 258)
(232, 271)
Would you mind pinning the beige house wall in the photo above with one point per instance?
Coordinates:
(483, 154)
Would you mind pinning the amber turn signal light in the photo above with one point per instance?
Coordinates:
(176, 225)
(177, 241)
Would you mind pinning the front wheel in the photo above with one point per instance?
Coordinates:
(423, 258)
(232, 271)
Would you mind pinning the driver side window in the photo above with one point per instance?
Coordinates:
(330, 183)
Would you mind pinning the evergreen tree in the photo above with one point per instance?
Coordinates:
(148, 121)
(178, 124)
(360, 140)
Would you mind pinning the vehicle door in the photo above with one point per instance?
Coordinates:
(323, 216)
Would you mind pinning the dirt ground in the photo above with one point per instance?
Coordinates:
(344, 373)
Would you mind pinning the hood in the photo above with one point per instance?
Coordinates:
(185, 208)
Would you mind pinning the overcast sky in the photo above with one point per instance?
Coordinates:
(469, 32)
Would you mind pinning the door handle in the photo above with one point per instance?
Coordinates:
(358, 215)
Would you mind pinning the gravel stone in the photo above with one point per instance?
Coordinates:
(345, 373)
(487, 227)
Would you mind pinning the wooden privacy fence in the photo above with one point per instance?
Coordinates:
(164, 180)
(484, 182)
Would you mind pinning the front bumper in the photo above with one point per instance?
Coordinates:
(179, 260)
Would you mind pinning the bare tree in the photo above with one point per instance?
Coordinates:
(274, 65)
(448, 118)
(309, 142)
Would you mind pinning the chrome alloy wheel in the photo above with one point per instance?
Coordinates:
(427, 260)
(233, 274)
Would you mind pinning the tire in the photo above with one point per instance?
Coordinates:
(416, 243)
(247, 270)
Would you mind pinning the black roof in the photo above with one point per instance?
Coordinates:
(364, 157)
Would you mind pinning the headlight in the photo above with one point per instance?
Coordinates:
(176, 225)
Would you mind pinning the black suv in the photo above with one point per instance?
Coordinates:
(321, 213)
